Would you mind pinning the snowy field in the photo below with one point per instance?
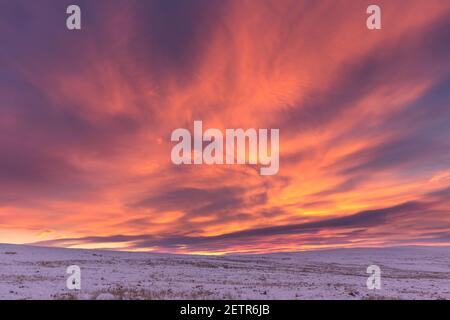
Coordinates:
(406, 273)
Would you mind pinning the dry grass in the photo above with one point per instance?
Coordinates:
(124, 293)
(379, 297)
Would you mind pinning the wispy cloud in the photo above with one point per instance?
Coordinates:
(86, 117)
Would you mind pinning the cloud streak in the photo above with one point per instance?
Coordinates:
(350, 228)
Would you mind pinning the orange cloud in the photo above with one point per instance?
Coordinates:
(86, 122)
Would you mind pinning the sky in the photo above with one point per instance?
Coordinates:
(86, 118)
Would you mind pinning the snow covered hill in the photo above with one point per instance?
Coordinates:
(28, 272)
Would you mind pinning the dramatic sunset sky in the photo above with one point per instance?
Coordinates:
(86, 118)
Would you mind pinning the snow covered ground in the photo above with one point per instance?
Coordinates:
(406, 273)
